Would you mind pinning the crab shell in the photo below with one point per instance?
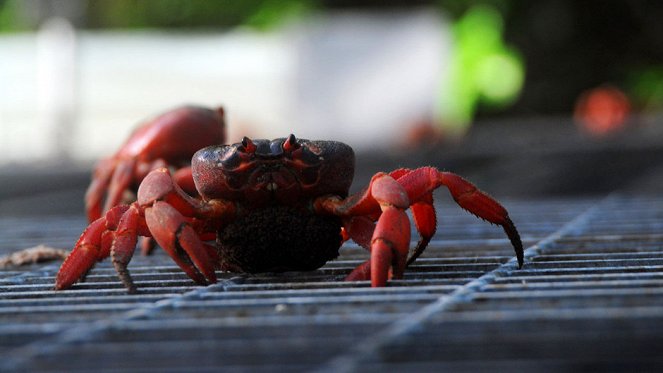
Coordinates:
(273, 183)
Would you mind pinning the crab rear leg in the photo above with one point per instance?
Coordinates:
(94, 195)
(124, 244)
(163, 211)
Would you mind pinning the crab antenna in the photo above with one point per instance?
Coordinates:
(248, 145)
(290, 143)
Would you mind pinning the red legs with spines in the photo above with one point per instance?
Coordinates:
(423, 213)
(391, 195)
(93, 245)
(121, 181)
(163, 211)
(83, 257)
(425, 220)
(184, 179)
(176, 236)
(124, 244)
(94, 195)
(360, 229)
(390, 236)
(361, 273)
(389, 245)
(168, 214)
(420, 183)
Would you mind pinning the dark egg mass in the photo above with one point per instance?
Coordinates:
(279, 239)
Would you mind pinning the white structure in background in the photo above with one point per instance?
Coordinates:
(358, 78)
(364, 77)
(56, 86)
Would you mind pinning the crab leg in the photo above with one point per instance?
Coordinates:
(387, 197)
(95, 192)
(83, 256)
(423, 213)
(175, 235)
(360, 228)
(93, 245)
(168, 214)
(389, 246)
(163, 211)
(421, 182)
(124, 244)
(390, 238)
(120, 181)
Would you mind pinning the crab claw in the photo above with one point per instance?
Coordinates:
(176, 236)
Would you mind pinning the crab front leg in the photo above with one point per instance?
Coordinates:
(170, 216)
(93, 245)
(385, 200)
(390, 239)
(163, 211)
(423, 213)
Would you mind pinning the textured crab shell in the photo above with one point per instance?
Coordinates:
(333, 160)
(195, 126)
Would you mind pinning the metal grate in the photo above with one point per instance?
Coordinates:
(589, 297)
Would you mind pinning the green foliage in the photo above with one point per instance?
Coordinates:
(484, 69)
(9, 16)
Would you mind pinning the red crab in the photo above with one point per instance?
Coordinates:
(275, 205)
(156, 143)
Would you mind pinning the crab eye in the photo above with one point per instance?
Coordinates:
(230, 159)
(248, 145)
(290, 144)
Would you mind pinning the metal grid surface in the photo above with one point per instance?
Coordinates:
(589, 297)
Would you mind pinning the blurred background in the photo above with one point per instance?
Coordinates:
(554, 107)
(524, 98)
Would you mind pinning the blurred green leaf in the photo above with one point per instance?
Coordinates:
(10, 16)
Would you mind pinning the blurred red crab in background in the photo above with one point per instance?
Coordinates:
(257, 205)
